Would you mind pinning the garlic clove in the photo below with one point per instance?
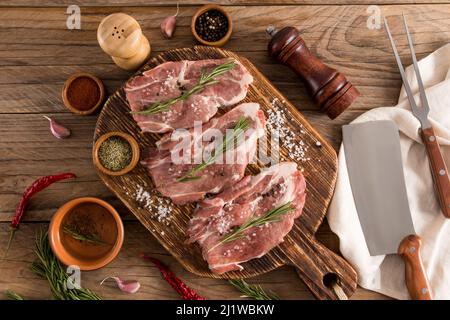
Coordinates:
(126, 286)
(58, 130)
(168, 26)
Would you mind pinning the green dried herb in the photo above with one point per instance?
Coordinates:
(115, 153)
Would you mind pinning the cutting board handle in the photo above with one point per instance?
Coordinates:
(321, 270)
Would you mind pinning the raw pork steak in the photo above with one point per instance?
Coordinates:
(166, 165)
(169, 80)
(252, 197)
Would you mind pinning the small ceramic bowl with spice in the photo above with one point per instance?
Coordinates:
(116, 153)
(86, 232)
(211, 25)
(83, 93)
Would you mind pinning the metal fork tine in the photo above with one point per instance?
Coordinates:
(412, 102)
(423, 96)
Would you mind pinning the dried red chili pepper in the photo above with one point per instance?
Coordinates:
(38, 185)
(180, 287)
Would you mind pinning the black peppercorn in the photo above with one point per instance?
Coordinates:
(211, 25)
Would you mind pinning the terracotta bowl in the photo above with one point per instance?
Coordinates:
(64, 255)
(134, 149)
(69, 82)
(202, 10)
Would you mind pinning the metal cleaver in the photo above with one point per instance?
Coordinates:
(374, 163)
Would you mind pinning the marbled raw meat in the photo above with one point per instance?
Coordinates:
(170, 79)
(165, 171)
(252, 197)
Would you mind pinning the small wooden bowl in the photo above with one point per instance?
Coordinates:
(64, 255)
(202, 10)
(69, 82)
(134, 149)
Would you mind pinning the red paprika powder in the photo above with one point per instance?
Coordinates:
(83, 93)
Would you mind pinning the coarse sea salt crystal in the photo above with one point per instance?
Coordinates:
(161, 210)
(223, 224)
(276, 125)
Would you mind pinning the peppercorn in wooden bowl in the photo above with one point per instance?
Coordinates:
(211, 25)
(116, 153)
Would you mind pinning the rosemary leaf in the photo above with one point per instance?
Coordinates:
(48, 267)
(253, 291)
(204, 81)
(77, 235)
(188, 178)
(12, 295)
(271, 216)
(238, 130)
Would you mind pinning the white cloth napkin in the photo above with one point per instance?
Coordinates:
(385, 274)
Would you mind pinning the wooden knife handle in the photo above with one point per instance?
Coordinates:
(438, 170)
(415, 275)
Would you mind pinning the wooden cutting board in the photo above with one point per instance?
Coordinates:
(322, 271)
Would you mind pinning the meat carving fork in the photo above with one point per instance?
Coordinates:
(439, 170)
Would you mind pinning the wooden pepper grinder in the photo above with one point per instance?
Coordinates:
(329, 89)
(120, 36)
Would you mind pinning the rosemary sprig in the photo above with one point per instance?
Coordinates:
(252, 290)
(48, 267)
(269, 217)
(204, 81)
(12, 295)
(77, 235)
(238, 130)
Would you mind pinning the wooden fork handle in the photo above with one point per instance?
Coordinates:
(438, 170)
(415, 275)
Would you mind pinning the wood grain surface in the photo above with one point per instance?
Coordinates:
(151, 3)
(17, 275)
(38, 53)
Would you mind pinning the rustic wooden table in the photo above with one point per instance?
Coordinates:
(38, 52)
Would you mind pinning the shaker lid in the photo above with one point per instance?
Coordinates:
(119, 35)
